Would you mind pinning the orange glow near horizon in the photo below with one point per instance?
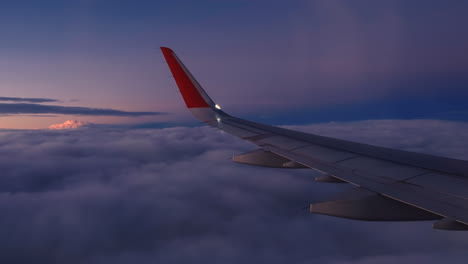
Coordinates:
(44, 121)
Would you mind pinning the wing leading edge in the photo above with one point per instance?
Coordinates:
(391, 185)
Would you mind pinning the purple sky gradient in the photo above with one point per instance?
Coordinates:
(251, 56)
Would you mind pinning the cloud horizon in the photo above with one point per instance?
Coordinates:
(25, 108)
(28, 100)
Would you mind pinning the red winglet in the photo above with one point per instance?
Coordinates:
(189, 91)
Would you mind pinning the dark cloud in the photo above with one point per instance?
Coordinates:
(173, 196)
(28, 100)
(23, 108)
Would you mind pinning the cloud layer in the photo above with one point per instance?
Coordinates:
(24, 108)
(173, 196)
(28, 100)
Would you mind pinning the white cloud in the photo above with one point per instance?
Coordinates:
(70, 124)
(173, 196)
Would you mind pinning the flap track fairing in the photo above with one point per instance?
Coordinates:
(361, 204)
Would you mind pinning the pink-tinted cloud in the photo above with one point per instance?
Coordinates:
(70, 124)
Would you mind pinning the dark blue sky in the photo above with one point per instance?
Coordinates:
(303, 62)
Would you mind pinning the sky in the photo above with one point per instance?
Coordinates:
(296, 63)
(143, 182)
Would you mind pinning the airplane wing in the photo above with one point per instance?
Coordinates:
(390, 184)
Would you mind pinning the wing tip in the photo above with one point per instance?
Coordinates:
(166, 49)
(193, 95)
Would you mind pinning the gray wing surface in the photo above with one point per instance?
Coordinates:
(390, 184)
